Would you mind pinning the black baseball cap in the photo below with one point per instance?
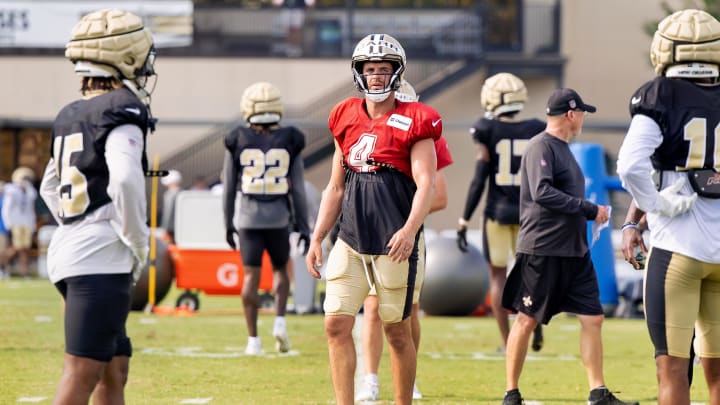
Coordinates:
(564, 100)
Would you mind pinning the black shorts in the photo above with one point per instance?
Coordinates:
(96, 308)
(543, 286)
(254, 241)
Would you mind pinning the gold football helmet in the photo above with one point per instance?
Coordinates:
(687, 44)
(406, 92)
(22, 174)
(503, 93)
(113, 43)
(261, 104)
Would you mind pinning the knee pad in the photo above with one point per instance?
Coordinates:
(390, 313)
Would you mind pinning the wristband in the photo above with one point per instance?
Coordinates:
(462, 222)
(630, 225)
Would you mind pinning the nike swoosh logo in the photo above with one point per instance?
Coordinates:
(133, 110)
(434, 123)
(635, 100)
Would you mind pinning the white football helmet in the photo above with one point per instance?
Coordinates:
(113, 43)
(406, 92)
(503, 93)
(378, 48)
(687, 44)
(261, 104)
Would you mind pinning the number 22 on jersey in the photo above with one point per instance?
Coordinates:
(264, 172)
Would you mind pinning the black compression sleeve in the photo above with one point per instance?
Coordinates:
(229, 190)
(482, 170)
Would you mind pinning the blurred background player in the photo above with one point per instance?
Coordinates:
(673, 132)
(18, 212)
(4, 237)
(372, 335)
(94, 187)
(383, 173)
(501, 141)
(172, 183)
(263, 164)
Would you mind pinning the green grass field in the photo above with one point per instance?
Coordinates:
(198, 359)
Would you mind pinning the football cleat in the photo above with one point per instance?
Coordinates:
(416, 392)
(369, 390)
(690, 39)
(253, 348)
(513, 398)
(603, 396)
(282, 341)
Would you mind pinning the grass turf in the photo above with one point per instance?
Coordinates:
(198, 358)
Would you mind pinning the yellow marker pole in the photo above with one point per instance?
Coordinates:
(153, 244)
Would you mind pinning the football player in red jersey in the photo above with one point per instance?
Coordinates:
(381, 188)
(94, 187)
(674, 133)
(371, 336)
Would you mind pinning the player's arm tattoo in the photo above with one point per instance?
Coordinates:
(322, 234)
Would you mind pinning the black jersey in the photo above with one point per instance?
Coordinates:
(375, 206)
(79, 134)
(506, 142)
(263, 161)
(267, 169)
(688, 115)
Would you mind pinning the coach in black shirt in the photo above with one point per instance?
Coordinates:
(553, 272)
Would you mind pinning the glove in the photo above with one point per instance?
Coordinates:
(303, 239)
(670, 204)
(230, 237)
(462, 238)
(139, 263)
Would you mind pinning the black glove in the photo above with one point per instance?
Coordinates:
(304, 239)
(230, 237)
(462, 238)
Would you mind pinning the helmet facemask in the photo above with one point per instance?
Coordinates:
(378, 48)
(143, 85)
(361, 81)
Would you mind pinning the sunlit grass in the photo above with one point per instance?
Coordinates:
(200, 357)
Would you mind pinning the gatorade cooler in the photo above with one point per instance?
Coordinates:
(202, 258)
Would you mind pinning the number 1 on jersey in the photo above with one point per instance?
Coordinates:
(505, 150)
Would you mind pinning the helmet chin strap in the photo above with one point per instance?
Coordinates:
(144, 97)
(140, 92)
(377, 97)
